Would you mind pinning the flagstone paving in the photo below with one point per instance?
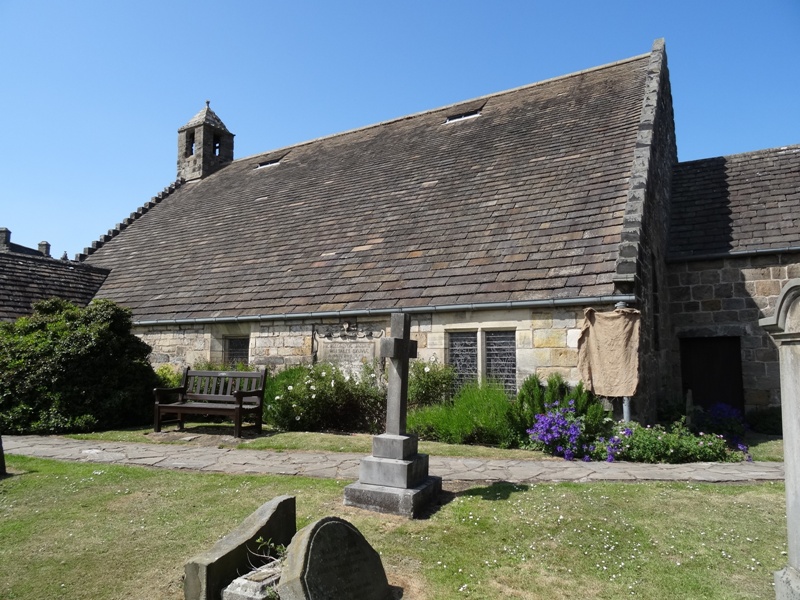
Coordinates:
(344, 466)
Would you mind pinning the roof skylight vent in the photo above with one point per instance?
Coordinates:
(471, 114)
(268, 163)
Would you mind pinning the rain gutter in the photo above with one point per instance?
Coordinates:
(374, 312)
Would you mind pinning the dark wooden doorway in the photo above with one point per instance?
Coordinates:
(712, 369)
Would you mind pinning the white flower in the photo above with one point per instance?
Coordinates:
(313, 396)
(290, 388)
(313, 387)
(333, 383)
(277, 397)
(427, 369)
(297, 418)
(372, 375)
(347, 377)
(324, 374)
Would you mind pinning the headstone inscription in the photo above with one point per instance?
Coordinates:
(784, 327)
(331, 559)
(395, 478)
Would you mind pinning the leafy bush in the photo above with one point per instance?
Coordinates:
(766, 420)
(553, 409)
(168, 376)
(675, 444)
(324, 398)
(429, 383)
(66, 368)
(479, 414)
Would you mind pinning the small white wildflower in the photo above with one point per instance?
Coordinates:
(290, 388)
(324, 374)
(347, 377)
(372, 375)
(277, 397)
(313, 387)
(427, 369)
(333, 383)
(297, 418)
(313, 396)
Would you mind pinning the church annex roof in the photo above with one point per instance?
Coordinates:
(737, 204)
(25, 279)
(516, 196)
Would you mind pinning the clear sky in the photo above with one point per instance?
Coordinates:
(92, 92)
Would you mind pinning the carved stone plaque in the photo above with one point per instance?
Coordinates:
(348, 355)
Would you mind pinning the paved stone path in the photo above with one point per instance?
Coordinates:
(344, 466)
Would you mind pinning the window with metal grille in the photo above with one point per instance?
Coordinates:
(501, 358)
(463, 356)
(237, 350)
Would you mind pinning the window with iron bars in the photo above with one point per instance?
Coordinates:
(484, 355)
(237, 351)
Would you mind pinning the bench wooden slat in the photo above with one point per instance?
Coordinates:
(213, 392)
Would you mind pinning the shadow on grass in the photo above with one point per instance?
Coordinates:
(499, 490)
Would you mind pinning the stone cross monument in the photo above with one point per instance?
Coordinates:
(784, 327)
(395, 478)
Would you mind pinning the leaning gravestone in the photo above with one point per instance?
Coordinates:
(784, 327)
(330, 559)
(395, 478)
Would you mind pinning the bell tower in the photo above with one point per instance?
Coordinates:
(204, 145)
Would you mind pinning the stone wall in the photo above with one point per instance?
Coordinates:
(726, 297)
(546, 339)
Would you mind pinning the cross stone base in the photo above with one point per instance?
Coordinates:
(787, 584)
(395, 501)
(394, 479)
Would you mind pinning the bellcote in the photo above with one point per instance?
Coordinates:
(204, 145)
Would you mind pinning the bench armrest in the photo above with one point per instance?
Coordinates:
(161, 392)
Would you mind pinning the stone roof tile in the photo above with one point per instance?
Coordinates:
(736, 204)
(415, 211)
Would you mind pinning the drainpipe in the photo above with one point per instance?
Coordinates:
(626, 400)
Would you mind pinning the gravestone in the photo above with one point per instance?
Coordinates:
(331, 559)
(784, 327)
(2, 459)
(395, 478)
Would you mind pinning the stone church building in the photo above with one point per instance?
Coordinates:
(494, 222)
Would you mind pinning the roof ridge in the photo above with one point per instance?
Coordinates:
(791, 148)
(484, 98)
(119, 227)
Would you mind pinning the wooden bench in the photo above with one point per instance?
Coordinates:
(230, 393)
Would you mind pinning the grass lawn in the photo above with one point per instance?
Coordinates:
(89, 531)
(762, 447)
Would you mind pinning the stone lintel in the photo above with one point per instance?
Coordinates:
(404, 502)
(390, 472)
(400, 447)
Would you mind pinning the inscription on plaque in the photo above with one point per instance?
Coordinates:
(349, 356)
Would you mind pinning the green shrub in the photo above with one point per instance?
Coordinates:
(674, 444)
(168, 376)
(207, 365)
(324, 398)
(766, 420)
(429, 383)
(479, 414)
(534, 399)
(66, 368)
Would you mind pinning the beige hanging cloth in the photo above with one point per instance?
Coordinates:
(608, 351)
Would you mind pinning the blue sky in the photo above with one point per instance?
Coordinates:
(93, 92)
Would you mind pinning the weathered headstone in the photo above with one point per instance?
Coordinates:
(784, 327)
(395, 478)
(331, 559)
(207, 574)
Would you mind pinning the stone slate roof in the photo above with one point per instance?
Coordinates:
(523, 202)
(26, 278)
(207, 117)
(736, 204)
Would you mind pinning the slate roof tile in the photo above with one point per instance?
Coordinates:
(410, 212)
(26, 278)
(733, 204)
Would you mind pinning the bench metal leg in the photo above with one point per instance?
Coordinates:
(157, 420)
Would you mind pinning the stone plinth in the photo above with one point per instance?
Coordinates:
(784, 327)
